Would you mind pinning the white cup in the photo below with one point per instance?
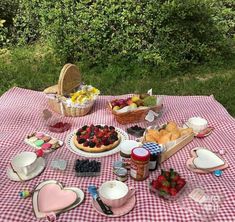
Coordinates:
(24, 162)
(115, 193)
(197, 124)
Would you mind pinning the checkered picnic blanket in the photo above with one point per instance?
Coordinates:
(20, 114)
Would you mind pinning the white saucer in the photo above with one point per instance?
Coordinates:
(41, 163)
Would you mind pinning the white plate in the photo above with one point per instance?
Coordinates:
(38, 214)
(74, 149)
(41, 163)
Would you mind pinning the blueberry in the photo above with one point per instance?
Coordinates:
(106, 143)
(78, 133)
(82, 140)
(113, 137)
(111, 128)
(92, 144)
(84, 127)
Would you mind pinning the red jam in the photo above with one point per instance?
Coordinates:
(59, 127)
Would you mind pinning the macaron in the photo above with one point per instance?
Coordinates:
(39, 135)
(46, 146)
(38, 143)
(32, 139)
(53, 141)
(46, 139)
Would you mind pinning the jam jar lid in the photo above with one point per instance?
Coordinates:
(127, 145)
(121, 172)
(140, 154)
(117, 164)
(153, 148)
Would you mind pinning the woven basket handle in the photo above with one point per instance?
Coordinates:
(69, 79)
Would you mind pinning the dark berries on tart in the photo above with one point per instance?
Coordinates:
(96, 137)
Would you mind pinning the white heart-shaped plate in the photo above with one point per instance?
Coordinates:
(206, 159)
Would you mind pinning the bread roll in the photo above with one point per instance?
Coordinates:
(149, 138)
(171, 126)
(163, 132)
(175, 134)
(164, 138)
(154, 133)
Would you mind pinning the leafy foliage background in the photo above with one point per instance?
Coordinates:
(168, 34)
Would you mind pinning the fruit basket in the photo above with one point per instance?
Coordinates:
(69, 97)
(135, 109)
(168, 185)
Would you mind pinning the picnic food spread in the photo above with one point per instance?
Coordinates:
(96, 138)
(141, 163)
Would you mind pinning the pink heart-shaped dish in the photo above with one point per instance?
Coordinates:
(52, 197)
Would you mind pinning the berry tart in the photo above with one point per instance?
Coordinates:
(96, 138)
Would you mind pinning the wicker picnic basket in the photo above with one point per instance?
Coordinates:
(134, 116)
(69, 81)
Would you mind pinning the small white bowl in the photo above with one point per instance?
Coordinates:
(197, 124)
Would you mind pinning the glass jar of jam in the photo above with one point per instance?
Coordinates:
(139, 163)
(125, 151)
(155, 154)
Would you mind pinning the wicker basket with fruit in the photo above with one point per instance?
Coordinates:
(70, 97)
(134, 109)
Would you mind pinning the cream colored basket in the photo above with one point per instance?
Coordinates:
(69, 81)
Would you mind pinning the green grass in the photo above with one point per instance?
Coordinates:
(35, 67)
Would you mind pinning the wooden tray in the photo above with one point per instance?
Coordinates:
(172, 150)
(173, 146)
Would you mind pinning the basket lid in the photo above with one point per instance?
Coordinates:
(70, 78)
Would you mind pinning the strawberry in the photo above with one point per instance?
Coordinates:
(173, 184)
(165, 183)
(85, 144)
(173, 191)
(100, 134)
(98, 144)
(86, 136)
(175, 177)
(180, 183)
(161, 178)
(155, 184)
(164, 189)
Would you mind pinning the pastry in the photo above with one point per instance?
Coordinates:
(171, 126)
(165, 138)
(97, 138)
(169, 132)
(175, 134)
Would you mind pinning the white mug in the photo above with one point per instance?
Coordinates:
(24, 162)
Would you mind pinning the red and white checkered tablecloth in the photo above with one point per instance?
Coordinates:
(20, 114)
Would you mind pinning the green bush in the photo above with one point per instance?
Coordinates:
(8, 11)
(226, 8)
(168, 33)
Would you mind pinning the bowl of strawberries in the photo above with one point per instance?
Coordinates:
(168, 185)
